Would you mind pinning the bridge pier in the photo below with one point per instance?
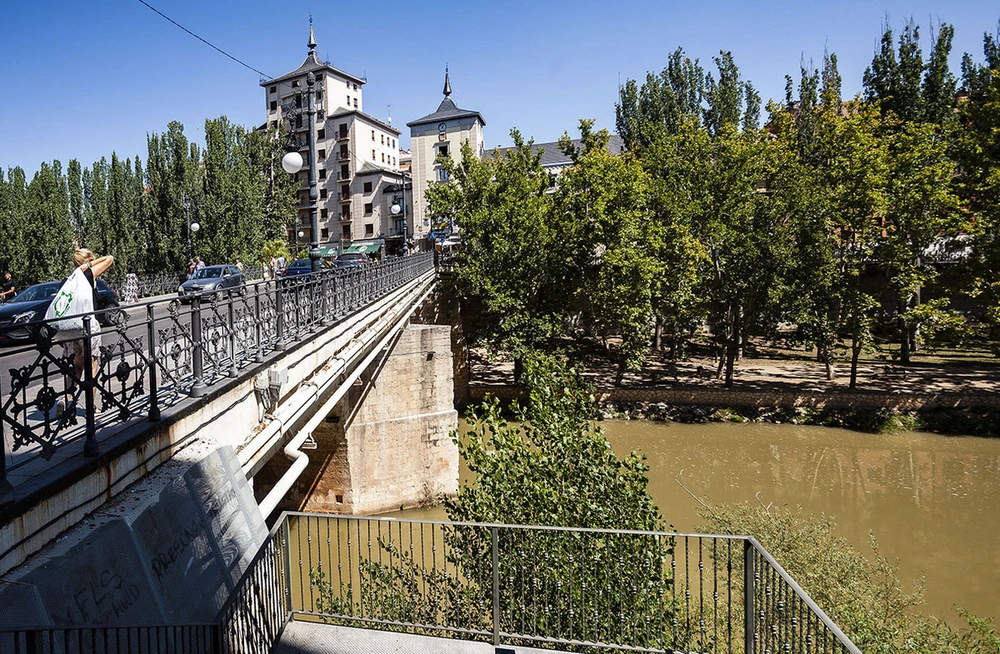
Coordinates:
(388, 443)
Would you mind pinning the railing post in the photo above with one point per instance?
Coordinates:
(495, 537)
(154, 406)
(87, 384)
(749, 629)
(259, 355)
(199, 387)
(279, 316)
(231, 323)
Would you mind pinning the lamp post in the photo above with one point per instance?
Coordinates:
(399, 207)
(292, 163)
(191, 227)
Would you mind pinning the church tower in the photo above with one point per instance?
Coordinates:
(440, 133)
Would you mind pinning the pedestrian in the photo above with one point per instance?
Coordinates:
(198, 264)
(92, 268)
(190, 271)
(239, 265)
(130, 292)
(273, 266)
(8, 289)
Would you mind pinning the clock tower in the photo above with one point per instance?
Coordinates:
(441, 133)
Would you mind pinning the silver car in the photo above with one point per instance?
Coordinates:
(211, 279)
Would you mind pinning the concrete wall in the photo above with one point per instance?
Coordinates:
(773, 398)
(389, 443)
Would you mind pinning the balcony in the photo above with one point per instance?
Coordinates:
(345, 197)
(343, 156)
(343, 135)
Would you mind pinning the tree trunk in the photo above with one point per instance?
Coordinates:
(518, 369)
(620, 374)
(732, 351)
(658, 334)
(826, 357)
(904, 333)
(855, 355)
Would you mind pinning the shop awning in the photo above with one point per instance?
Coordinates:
(366, 248)
(328, 250)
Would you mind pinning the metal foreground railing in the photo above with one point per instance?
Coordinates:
(165, 352)
(543, 586)
(514, 585)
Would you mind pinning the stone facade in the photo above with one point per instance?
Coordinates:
(389, 444)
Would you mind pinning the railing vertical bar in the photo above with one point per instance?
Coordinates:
(495, 558)
(153, 414)
(90, 446)
(748, 597)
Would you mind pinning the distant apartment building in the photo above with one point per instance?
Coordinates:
(358, 174)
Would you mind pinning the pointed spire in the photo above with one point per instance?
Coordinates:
(447, 84)
(312, 37)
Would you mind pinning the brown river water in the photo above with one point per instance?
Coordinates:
(932, 501)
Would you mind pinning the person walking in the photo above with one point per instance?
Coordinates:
(8, 289)
(198, 264)
(190, 270)
(92, 268)
(239, 265)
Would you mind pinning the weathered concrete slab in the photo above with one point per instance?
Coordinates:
(100, 581)
(317, 638)
(176, 562)
(20, 606)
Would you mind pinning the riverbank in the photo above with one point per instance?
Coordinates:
(948, 393)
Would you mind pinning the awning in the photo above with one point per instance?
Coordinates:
(329, 250)
(368, 248)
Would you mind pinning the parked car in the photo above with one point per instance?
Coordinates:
(211, 279)
(20, 315)
(351, 260)
(300, 269)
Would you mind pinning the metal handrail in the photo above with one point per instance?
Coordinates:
(182, 352)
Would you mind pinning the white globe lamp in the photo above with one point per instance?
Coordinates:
(195, 227)
(292, 162)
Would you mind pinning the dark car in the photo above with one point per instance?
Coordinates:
(211, 279)
(351, 260)
(300, 269)
(17, 316)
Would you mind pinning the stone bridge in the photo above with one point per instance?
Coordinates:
(324, 387)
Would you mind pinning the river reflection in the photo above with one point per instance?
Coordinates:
(932, 501)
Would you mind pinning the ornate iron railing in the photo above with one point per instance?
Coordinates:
(165, 352)
(515, 585)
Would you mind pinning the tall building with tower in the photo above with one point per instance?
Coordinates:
(360, 186)
(440, 133)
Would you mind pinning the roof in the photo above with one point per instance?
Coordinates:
(554, 156)
(368, 168)
(446, 111)
(347, 112)
(312, 63)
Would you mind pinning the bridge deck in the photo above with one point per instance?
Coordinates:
(315, 638)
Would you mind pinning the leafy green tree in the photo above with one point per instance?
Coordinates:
(514, 268)
(74, 175)
(606, 195)
(48, 246)
(731, 101)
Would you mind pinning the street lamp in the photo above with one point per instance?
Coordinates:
(192, 227)
(292, 163)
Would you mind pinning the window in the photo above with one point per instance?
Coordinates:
(393, 142)
(322, 155)
(382, 139)
(355, 103)
(323, 213)
(321, 134)
(443, 150)
(383, 157)
(347, 231)
(343, 151)
(373, 155)
(348, 100)
(394, 161)
(442, 175)
(322, 194)
(344, 172)
(369, 230)
(345, 192)
(274, 105)
(319, 95)
(295, 84)
(324, 233)
(373, 135)
(368, 187)
(355, 87)
(273, 89)
(368, 208)
(298, 122)
(322, 173)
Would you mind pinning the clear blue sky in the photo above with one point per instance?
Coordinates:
(83, 79)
